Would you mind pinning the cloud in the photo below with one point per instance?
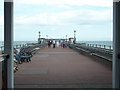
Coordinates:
(66, 17)
(96, 15)
(64, 6)
(102, 3)
(43, 19)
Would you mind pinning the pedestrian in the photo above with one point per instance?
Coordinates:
(63, 44)
(57, 44)
(48, 43)
(53, 44)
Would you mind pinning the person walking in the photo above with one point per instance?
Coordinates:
(53, 44)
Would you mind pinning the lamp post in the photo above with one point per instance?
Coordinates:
(39, 34)
(74, 36)
(47, 37)
(39, 40)
(66, 38)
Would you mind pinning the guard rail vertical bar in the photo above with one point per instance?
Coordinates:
(116, 45)
(8, 41)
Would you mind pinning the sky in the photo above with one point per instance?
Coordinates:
(92, 19)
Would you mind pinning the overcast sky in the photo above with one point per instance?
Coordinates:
(92, 19)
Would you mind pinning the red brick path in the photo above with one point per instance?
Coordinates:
(62, 68)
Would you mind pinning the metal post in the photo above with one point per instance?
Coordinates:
(8, 42)
(74, 36)
(116, 45)
(39, 40)
(1, 48)
(110, 47)
(47, 37)
(66, 38)
(96, 45)
(104, 46)
(39, 34)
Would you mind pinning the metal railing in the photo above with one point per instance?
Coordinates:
(3, 70)
(4, 57)
(102, 51)
(20, 46)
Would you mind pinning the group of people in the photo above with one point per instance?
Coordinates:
(57, 44)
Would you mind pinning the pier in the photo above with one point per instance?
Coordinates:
(63, 68)
(79, 66)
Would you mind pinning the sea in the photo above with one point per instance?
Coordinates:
(18, 42)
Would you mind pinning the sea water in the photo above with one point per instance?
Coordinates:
(17, 43)
(107, 43)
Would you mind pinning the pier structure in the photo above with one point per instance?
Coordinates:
(45, 40)
(116, 44)
(84, 70)
(8, 43)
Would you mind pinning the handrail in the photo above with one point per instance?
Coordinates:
(96, 51)
(20, 45)
(97, 47)
(3, 55)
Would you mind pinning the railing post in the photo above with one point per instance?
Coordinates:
(116, 45)
(8, 42)
(104, 46)
(20, 45)
(1, 48)
(110, 47)
(96, 45)
(88, 45)
(16, 46)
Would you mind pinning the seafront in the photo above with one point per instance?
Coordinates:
(62, 68)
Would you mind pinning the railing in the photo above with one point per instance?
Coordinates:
(3, 58)
(3, 72)
(102, 51)
(19, 46)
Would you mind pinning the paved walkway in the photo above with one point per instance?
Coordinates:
(62, 68)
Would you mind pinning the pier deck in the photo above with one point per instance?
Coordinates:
(62, 68)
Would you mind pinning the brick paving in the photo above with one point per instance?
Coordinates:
(62, 68)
